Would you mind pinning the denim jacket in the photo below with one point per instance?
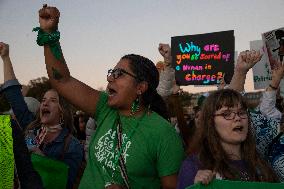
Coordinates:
(72, 157)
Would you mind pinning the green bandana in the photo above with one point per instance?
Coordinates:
(6, 153)
(51, 39)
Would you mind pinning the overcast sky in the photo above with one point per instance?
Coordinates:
(95, 34)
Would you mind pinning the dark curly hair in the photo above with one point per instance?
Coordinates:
(145, 70)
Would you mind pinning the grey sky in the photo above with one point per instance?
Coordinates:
(95, 34)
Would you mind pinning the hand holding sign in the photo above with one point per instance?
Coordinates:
(273, 62)
(165, 51)
(277, 74)
(222, 82)
(37, 151)
(4, 50)
(48, 18)
(246, 60)
(204, 176)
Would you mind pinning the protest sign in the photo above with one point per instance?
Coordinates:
(274, 49)
(261, 71)
(204, 58)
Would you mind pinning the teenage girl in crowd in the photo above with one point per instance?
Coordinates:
(51, 127)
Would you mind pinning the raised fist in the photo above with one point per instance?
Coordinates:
(246, 60)
(4, 49)
(165, 51)
(48, 18)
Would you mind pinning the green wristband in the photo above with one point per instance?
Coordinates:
(51, 39)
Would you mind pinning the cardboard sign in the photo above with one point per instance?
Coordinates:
(204, 58)
(261, 71)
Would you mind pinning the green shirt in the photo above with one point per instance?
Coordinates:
(154, 150)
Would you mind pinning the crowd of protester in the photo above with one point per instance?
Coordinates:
(134, 134)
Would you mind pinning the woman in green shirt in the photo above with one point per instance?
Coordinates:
(134, 146)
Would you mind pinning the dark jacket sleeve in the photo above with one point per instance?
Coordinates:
(28, 177)
(16, 100)
(73, 158)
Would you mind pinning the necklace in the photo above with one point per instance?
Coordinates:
(54, 128)
(119, 146)
(44, 130)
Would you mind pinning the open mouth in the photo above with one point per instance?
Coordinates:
(45, 112)
(238, 129)
(111, 91)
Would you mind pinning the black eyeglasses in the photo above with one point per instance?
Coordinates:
(229, 115)
(116, 73)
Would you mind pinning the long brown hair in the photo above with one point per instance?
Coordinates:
(66, 117)
(193, 134)
(212, 156)
(175, 109)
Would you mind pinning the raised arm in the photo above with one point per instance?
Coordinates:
(165, 51)
(246, 60)
(7, 64)
(167, 84)
(267, 105)
(12, 89)
(76, 92)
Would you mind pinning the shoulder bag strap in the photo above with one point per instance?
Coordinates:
(122, 166)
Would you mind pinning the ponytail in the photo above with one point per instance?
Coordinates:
(152, 99)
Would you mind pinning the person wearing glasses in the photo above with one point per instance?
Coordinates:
(227, 146)
(134, 146)
(266, 119)
(225, 136)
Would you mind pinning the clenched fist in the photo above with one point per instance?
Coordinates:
(246, 60)
(4, 49)
(165, 51)
(48, 18)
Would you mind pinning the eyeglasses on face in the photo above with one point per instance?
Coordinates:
(229, 115)
(116, 73)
